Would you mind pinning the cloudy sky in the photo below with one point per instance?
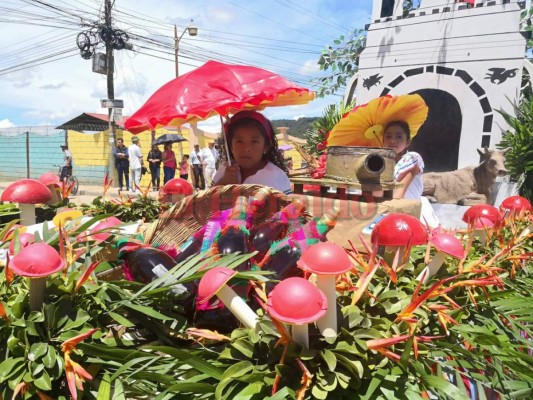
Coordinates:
(45, 81)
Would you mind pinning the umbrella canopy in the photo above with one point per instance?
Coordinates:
(169, 138)
(215, 89)
(364, 124)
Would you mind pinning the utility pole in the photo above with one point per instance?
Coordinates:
(110, 71)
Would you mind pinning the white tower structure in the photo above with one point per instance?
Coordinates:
(465, 60)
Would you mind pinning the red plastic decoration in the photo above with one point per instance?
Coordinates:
(486, 211)
(297, 301)
(110, 222)
(448, 244)
(516, 204)
(399, 229)
(325, 258)
(212, 281)
(26, 191)
(37, 260)
(49, 178)
(178, 186)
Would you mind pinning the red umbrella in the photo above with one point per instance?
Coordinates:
(215, 89)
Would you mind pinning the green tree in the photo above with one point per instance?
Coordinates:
(518, 141)
(342, 61)
(317, 133)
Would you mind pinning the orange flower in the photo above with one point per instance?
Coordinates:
(75, 373)
(85, 275)
(69, 345)
(107, 184)
(76, 376)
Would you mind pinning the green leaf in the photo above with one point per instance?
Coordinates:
(249, 391)
(147, 311)
(49, 359)
(330, 359)
(237, 370)
(245, 347)
(104, 390)
(121, 320)
(9, 367)
(435, 382)
(186, 357)
(43, 382)
(118, 392)
(37, 350)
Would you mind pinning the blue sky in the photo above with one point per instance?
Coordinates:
(285, 36)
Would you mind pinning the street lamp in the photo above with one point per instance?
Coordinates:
(193, 31)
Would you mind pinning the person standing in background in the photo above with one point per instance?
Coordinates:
(196, 162)
(169, 163)
(136, 163)
(184, 167)
(122, 164)
(209, 163)
(154, 161)
(66, 170)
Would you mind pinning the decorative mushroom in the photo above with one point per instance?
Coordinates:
(176, 189)
(480, 218)
(51, 181)
(25, 239)
(214, 283)
(27, 193)
(446, 245)
(36, 262)
(398, 232)
(297, 302)
(515, 205)
(326, 260)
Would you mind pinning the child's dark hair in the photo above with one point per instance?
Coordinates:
(273, 154)
(404, 126)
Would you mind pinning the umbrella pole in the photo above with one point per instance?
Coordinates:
(225, 140)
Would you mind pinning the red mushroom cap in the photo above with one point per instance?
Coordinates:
(516, 204)
(212, 281)
(37, 260)
(482, 223)
(27, 191)
(296, 301)
(482, 211)
(107, 223)
(399, 229)
(49, 178)
(325, 258)
(24, 238)
(448, 244)
(178, 186)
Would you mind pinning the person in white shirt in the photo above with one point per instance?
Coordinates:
(136, 163)
(196, 161)
(254, 154)
(209, 163)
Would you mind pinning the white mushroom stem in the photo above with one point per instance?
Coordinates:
(300, 334)
(238, 307)
(328, 323)
(481, 234)
(432, 268)
(394, 256)
(27, 214)
(37, 288)
(176, 198)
